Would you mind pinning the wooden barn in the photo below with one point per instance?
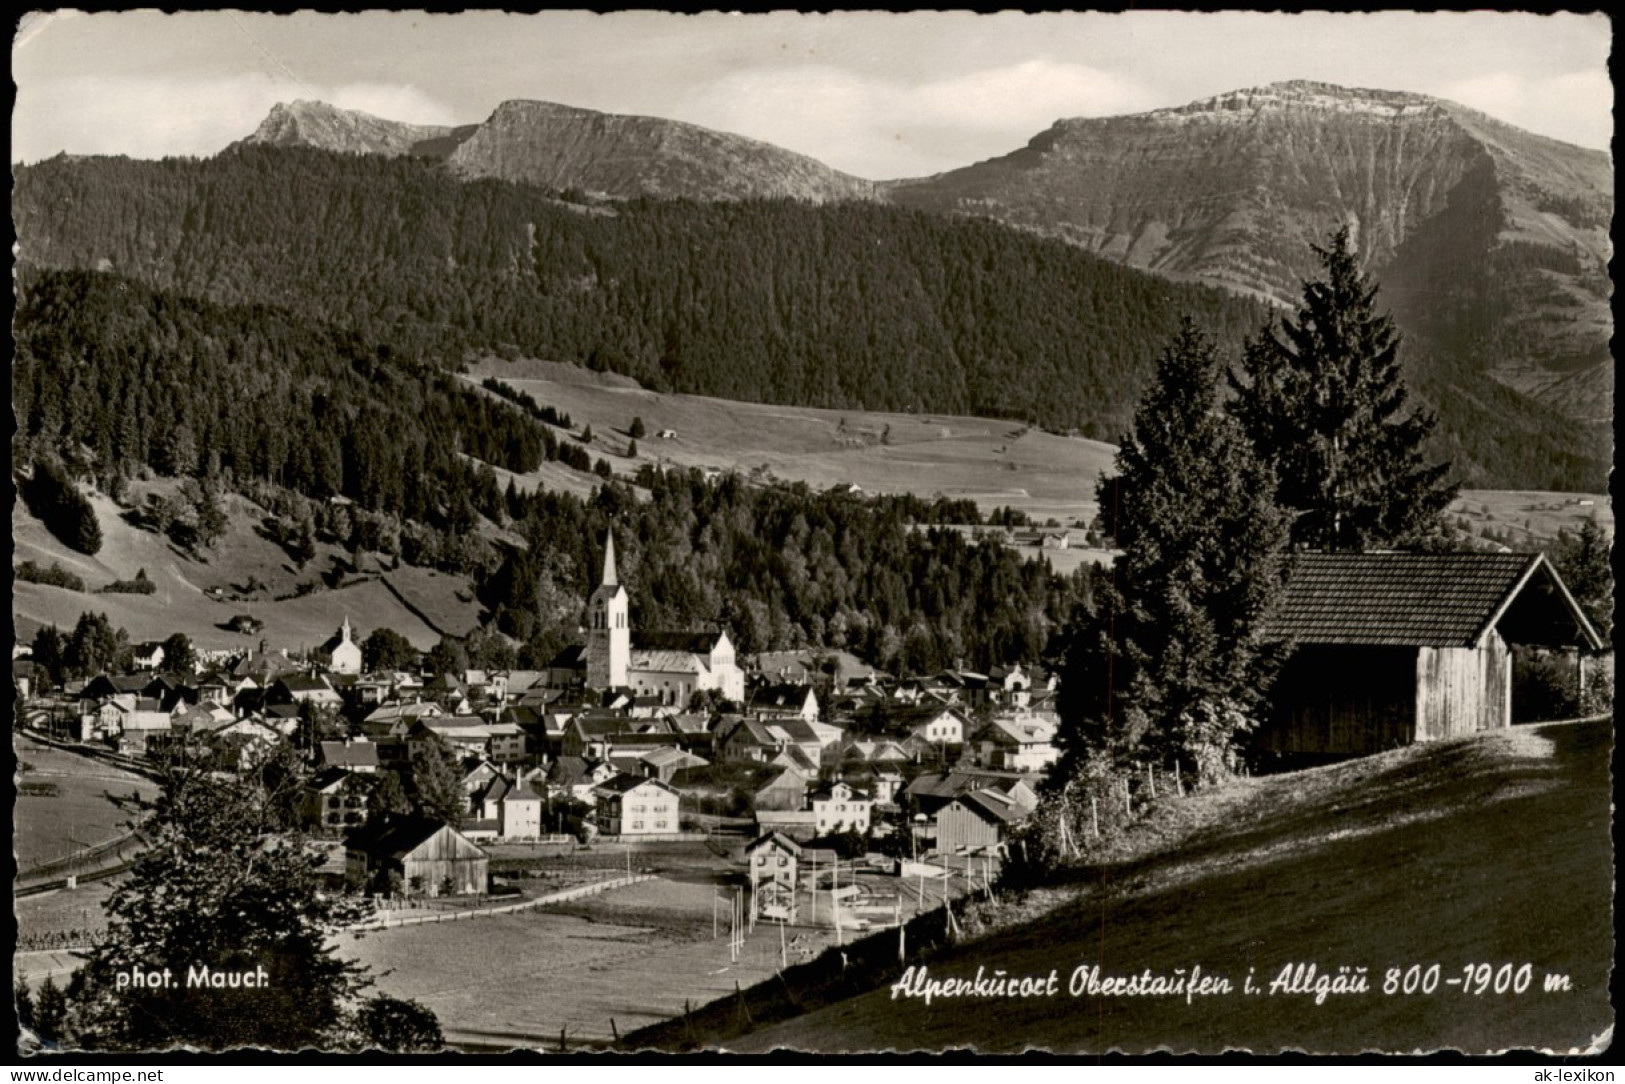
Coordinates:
(1395, 648)
(431, 857)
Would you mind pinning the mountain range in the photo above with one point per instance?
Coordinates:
(1491, 243)
(1038, 286)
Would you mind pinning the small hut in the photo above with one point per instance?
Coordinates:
(1395, 648)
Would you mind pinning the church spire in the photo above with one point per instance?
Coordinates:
(610, 578)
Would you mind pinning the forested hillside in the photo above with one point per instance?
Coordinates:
(847, 306)
(118, 380)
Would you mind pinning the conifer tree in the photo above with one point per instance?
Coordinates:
(1323, 402)
(1172, 658)
(224, 886)
(437, 779)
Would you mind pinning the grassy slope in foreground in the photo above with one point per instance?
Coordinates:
(1491, 849)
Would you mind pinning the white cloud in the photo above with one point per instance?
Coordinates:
(150, 117)
(881, 128)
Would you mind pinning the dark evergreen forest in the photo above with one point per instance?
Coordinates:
(116, 378)
(856, 306)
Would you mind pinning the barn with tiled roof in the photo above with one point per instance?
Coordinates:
(1395, 648)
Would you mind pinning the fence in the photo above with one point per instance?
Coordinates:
(377, 923)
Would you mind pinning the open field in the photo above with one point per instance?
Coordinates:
(1485, 850)
(1530, 514)
(634, 954)
(995, 463)
(57, 912)
(80, 815)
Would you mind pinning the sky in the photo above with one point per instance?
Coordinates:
(879, 95)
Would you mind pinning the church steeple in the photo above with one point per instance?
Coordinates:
(609, 633)
(610, 579)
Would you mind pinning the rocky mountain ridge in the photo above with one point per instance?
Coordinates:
(563, 147)
(1491, 244)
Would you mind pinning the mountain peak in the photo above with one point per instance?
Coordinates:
(306, 122)
(624, 155)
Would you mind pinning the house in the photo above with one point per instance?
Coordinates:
(465, 735)
(977, 820)
(334, 798)
(666, 762)
(752, 739)
(340, 653)
(511, 807)
(632, 805)
(142, 722)
(933, 790)
(417, 856)
(1395, 648)
(1010, 685)
(508, 742)
(799, 824)
(395, 720)
(148, 655)
(310, 689)
(351, 754)
(840, 808)
(189, 720)
(885, 787)
(875, 751)
(242, 743)
(601, 735)
(772, 860)
(784, 701)
(577, 779)
(1017, 743)
(23, 677)
(936, 726)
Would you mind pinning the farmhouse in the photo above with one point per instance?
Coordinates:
(1395, 648)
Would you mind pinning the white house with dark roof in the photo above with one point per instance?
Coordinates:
(839, 807)
(633, 805)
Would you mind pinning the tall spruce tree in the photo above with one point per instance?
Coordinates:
(1323, 402)
(1173, 658)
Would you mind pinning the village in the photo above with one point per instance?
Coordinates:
(798, 783)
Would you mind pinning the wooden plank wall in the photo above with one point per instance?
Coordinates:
(958, 827)
(447, 854)
(1461, 690)
(1343, 701)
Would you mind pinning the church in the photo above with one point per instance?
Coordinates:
(670, 665)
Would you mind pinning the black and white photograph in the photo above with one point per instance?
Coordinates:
(572, 534)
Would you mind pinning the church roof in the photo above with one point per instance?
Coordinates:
(699, 643)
